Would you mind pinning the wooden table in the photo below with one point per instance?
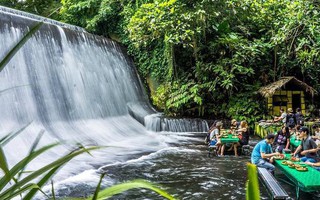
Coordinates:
(308, 181)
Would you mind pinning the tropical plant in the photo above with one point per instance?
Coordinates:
(13, 184)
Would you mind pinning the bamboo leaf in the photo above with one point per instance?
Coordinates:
(42, 170)
(4, 140)
(43, 181)
(4, 165)
(5, 90)
(52, 191)
(116, 189)
(20, 165)
(96, 192)
(33, 147)
(16, 48)
(25, 188)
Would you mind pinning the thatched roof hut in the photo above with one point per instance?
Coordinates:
(269, 90)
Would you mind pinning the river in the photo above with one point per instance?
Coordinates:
(183, 169)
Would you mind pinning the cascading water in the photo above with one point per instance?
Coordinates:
(76, 87)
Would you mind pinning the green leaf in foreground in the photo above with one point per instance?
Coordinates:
(16, 48)
(96, 192)
(252, 185)
(116, 189)
(58, 163)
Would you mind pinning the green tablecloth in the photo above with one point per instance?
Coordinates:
(306, 181)
(294, 142)
(229, 139)
(263, 131)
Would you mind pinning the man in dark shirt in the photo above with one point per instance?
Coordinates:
(308, 147)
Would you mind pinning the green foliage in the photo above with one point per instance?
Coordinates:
(39, 7)
(20, 185)
(244, 106)
(99, 16)
(183, 97)
(223, 47)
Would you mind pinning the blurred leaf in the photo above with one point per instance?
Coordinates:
(252, 185)
(116, 189)
(16, 48)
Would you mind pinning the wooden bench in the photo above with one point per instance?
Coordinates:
(277, 192)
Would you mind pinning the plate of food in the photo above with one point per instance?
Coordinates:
(280, 157)
(294, 159)
(292, 166)
(302, 169)
(287, 162)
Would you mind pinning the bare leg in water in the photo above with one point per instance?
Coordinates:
(235, 148)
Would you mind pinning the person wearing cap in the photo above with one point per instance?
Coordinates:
(308, 147)
(282, 116)
(262, 154)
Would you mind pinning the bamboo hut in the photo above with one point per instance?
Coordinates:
(287, 92)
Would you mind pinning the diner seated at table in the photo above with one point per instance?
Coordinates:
(216, 134)
(307, 148)
(243, 134)
(282, 139)
(234, 125)
(316, 136)
(315, 165)
(262, 154)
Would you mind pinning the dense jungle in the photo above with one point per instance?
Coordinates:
(204, 58)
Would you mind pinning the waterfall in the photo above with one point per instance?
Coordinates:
(76, 87)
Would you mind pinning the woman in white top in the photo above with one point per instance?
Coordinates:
(216, 134)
